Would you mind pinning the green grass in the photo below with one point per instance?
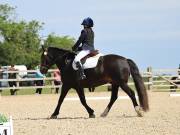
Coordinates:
(47, 91)
(24, 92)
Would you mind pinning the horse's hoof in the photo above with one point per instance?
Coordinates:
(53, 117)
(139, 111)
(103, 115)
(92, 116)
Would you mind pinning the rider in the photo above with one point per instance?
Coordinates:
(85, 45)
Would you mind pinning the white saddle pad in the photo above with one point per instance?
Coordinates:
(90, 62)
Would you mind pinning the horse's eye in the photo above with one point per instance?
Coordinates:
(45, 53)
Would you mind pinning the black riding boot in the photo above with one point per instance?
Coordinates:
(81, 74)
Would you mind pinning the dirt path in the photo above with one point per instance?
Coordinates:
(30, 116)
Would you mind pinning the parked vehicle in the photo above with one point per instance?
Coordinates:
(22, 74)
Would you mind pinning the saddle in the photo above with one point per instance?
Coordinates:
(91, 54)
(89, 61)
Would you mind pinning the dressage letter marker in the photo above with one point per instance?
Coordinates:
(7, 127)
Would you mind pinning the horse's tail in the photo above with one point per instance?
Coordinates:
(139, 84)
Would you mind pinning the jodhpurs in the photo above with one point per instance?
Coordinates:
(80, 55)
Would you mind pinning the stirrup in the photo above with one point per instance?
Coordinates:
(83, 77)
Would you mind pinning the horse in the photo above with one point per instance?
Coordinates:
(111, 68)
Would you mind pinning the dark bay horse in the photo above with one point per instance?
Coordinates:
(111, 69)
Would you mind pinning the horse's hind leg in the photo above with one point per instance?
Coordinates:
(131, 94)
(114, 96)
(81, 95)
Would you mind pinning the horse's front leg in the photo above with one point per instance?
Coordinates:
(81, 95)
(64, 91)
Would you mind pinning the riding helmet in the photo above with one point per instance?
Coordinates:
(88, 22)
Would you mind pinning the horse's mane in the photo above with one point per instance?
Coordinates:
(67, 54)
(61, 50)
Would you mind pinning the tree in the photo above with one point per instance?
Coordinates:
(6, 11)
(20, 40)
(65, 42)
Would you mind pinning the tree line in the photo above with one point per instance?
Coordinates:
(20, 41)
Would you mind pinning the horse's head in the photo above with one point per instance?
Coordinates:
(46, 60)
(51, 56)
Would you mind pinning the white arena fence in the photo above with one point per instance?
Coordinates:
(49, 81)
(162, 79)
(154, 79)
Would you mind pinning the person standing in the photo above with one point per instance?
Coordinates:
(57, 79)
(12, 76)
(39, 82)
(1, 77)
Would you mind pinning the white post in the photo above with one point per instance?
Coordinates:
(150, 79)
(11, 126)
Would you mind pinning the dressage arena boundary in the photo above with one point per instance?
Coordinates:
(154, 79)
(174, 94)
(7, 127)
(96, 98)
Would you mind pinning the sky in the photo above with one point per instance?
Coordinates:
(147, 31)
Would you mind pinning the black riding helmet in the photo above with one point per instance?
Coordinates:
(88, 22)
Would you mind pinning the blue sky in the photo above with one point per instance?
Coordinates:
(147, 31)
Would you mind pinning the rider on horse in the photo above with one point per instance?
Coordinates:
(85, 45)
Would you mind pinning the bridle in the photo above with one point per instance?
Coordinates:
(47, 66)
(44, 65)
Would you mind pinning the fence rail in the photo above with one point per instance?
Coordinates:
(159, 79)
(162, 79)
(19, 79)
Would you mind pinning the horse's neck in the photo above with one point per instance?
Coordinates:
(65, 62)
(61, 55)
(60, 64)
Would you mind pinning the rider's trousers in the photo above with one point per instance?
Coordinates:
(80, 55)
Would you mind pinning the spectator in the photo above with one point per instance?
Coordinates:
(39, 82)
(57, 80)
(1, 77)
(12, 83)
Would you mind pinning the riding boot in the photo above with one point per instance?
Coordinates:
(81, 74)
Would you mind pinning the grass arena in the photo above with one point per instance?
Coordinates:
(30, 115)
